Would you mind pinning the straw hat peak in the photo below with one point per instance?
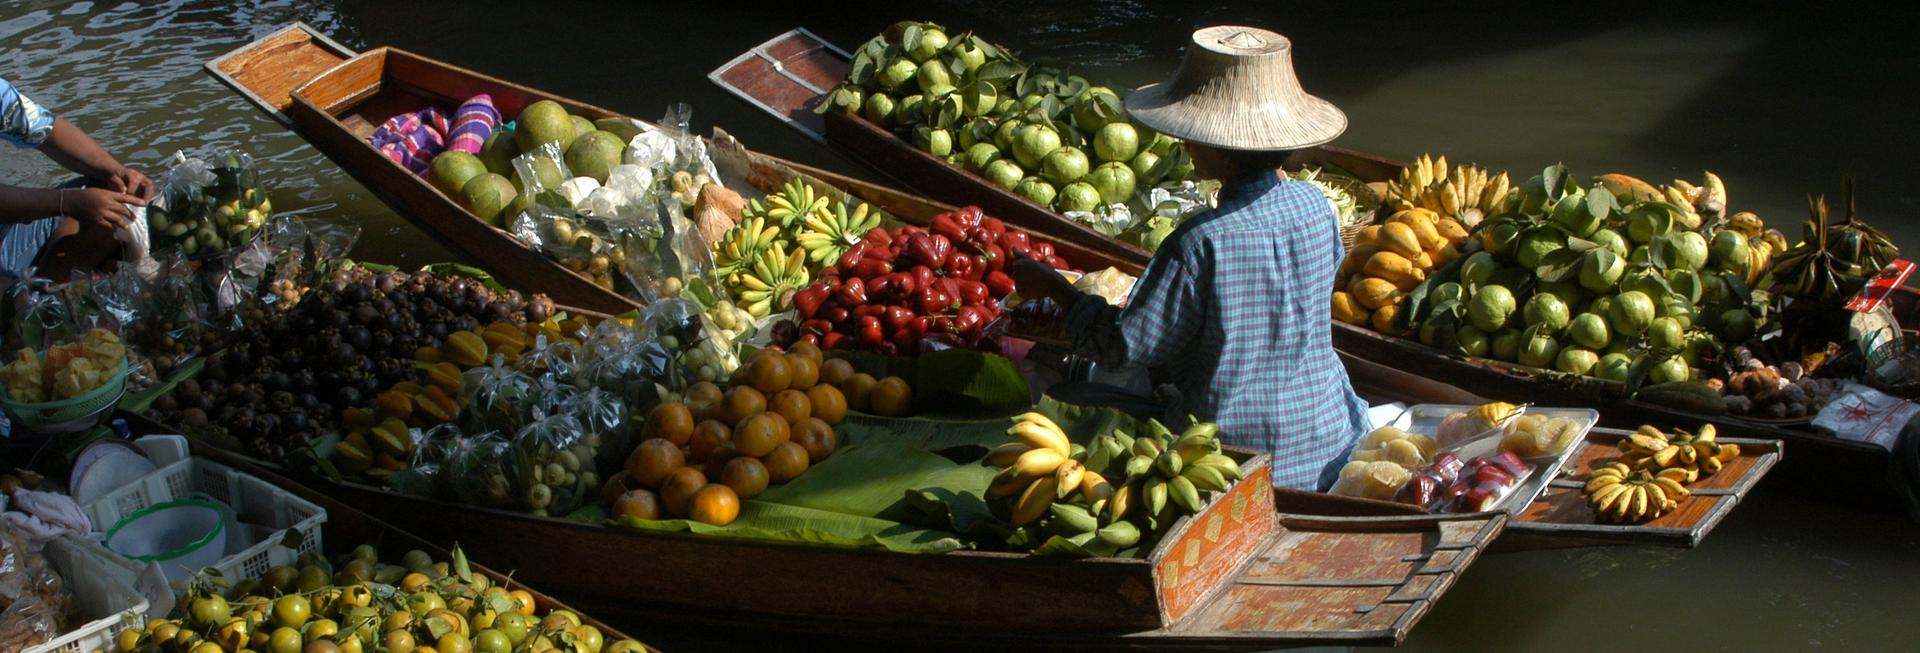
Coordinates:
(1236, 89)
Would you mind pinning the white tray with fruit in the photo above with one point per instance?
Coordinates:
(1494, 457)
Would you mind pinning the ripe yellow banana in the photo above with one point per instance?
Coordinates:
(1034, 501)
(1004, 455)
(1038, 436)
(1095, 488)
(1008, 483)
(1672, 488)
(1067, 475)
(1038, 462)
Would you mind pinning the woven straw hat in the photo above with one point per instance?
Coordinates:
(1236, 89)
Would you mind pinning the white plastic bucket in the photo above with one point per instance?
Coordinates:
(182, 536)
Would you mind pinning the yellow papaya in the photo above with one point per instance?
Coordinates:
(1368, 235)
(1446, 254)
(1393, 267)
(1452, 230)
(1423, 228)
(1345, 309)
(1373, 292)
(1400, 239)
(1383, 320)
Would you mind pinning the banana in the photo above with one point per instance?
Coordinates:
(1121, 503)
(1672, 488)
(1156, 491)
(1034, 501)
(1004, 455)
(1687, 454)
(1119, 534)
(1184, 494)
(1596, 482)
(1008, 483)
(1139, 465)
(1068, 475)
(1638, 508)
(1603, 501)
(1095, 488)
(1710, 466)
(1727, 452)
(1146, 447)
(1681, 475)
(1073, 519)
(1038, 462)
(1646, 443)
(1169, 463)
(1227, 466)
(773, 278)
(1206, 477)
(1038, 436)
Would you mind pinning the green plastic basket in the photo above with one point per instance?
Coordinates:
(68, 415)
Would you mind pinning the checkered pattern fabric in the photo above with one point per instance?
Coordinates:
(1233, 311)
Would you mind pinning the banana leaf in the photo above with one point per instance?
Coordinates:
(953, 381)
(866, 481)
(956, 499)
(924, 433)
(765, 521)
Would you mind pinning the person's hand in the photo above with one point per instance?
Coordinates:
(1034, 280)
(100, 207)
(129, 181)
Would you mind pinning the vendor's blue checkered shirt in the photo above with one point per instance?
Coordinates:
(1233, 311)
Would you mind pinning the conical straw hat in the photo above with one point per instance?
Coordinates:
(1236, 89)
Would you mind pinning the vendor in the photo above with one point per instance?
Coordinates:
(61, 229)
(1233, 309)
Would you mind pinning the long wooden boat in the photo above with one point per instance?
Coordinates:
(1393, 367)
(348, 526)
(336, 98)
(1238, 576)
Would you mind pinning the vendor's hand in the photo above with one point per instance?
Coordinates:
(129, 181)
(1035, 280)
(100, 207)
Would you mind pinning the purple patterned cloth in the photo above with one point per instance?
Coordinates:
(472, 124)
(412, 139)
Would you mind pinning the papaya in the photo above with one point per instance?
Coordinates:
(1424, 262)
(1394, 267)
(1400, 239)
(1345, 309)
(1689, 396)
(1374, 293)
(1423, 228)
(1452, 230)
(1383, 320)
(1356, 259)
(1367, 236)
(1446, 254)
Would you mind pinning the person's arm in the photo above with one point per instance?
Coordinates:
(74, 150)
(1162, 315)
(96, 206)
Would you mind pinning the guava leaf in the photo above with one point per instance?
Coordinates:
(999, 70)
(1600, 205)
(1557, 265)
(460, 568)
(1660, 253)
(1555, 180)
(1417, 297)
(1579, 244)
(910, 37)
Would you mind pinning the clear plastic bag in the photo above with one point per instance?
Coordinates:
(547, 471)
(430, 450)
(609, 429)
(33, 598)
(619, 360)
(474, 471)
(581, 243)
(495, 397)
(206, 208)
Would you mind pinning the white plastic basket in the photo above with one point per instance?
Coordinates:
(258, 517)
(99, 596)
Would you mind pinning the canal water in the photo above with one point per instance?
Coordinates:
(1780, 104)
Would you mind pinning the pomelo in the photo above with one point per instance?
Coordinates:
(498, 151)
(595, 154)
(487, 196)
(543, 122)
(452, 169)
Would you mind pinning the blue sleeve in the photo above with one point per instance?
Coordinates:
(1163, 313)
(23, 122)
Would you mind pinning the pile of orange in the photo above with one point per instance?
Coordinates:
(701, 458)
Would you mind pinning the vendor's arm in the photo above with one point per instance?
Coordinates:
(74, 150)
(25, 124)
(1162, 315)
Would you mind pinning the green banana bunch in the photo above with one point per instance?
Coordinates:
(795, 201)
(828, 233)
(776, 274)
(740, 246)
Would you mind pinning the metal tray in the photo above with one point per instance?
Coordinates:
(1425, 419)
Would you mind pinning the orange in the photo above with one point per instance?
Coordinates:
(679, 489)
(802, 372)
(768, 372)
(892, 397)
(670, 421)
(786, 462)
(757, 435)
(828, 403)
(652, 461)
(816, 436)
(703, 391)
(743, 401)
(807, 350)
(835, 371)
(746, 476)
(708, 437)
(858, 388)
(791, 405)
(639, 504)
(715, 504)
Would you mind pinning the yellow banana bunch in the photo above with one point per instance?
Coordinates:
(1653, 451)
(1429, 184)
(828, 233)
(775, 275)
(1620, 495)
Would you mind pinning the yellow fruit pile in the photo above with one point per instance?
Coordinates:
(1389, 259)
(701, 458)
(69, 370)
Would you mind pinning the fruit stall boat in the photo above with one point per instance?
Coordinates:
(1210, 585)
(789, 75)
(335, 98)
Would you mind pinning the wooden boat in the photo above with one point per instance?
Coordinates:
(1213, 584)
(336, 98)
(1394, 368)
(347, 526)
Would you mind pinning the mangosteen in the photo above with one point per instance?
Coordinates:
(338, 319)
(347, 396)
(189, 389)
(166, 404)
(436, 330)
(386, 281)
(359, 338)
(364, 314)
(194, 418)
(309, 401)
(302, 380)
(279, 382)
(540, 308)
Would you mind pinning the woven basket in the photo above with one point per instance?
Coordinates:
(68, 415)
(1366, 204)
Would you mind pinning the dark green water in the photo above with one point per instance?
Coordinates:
(1779, 104)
